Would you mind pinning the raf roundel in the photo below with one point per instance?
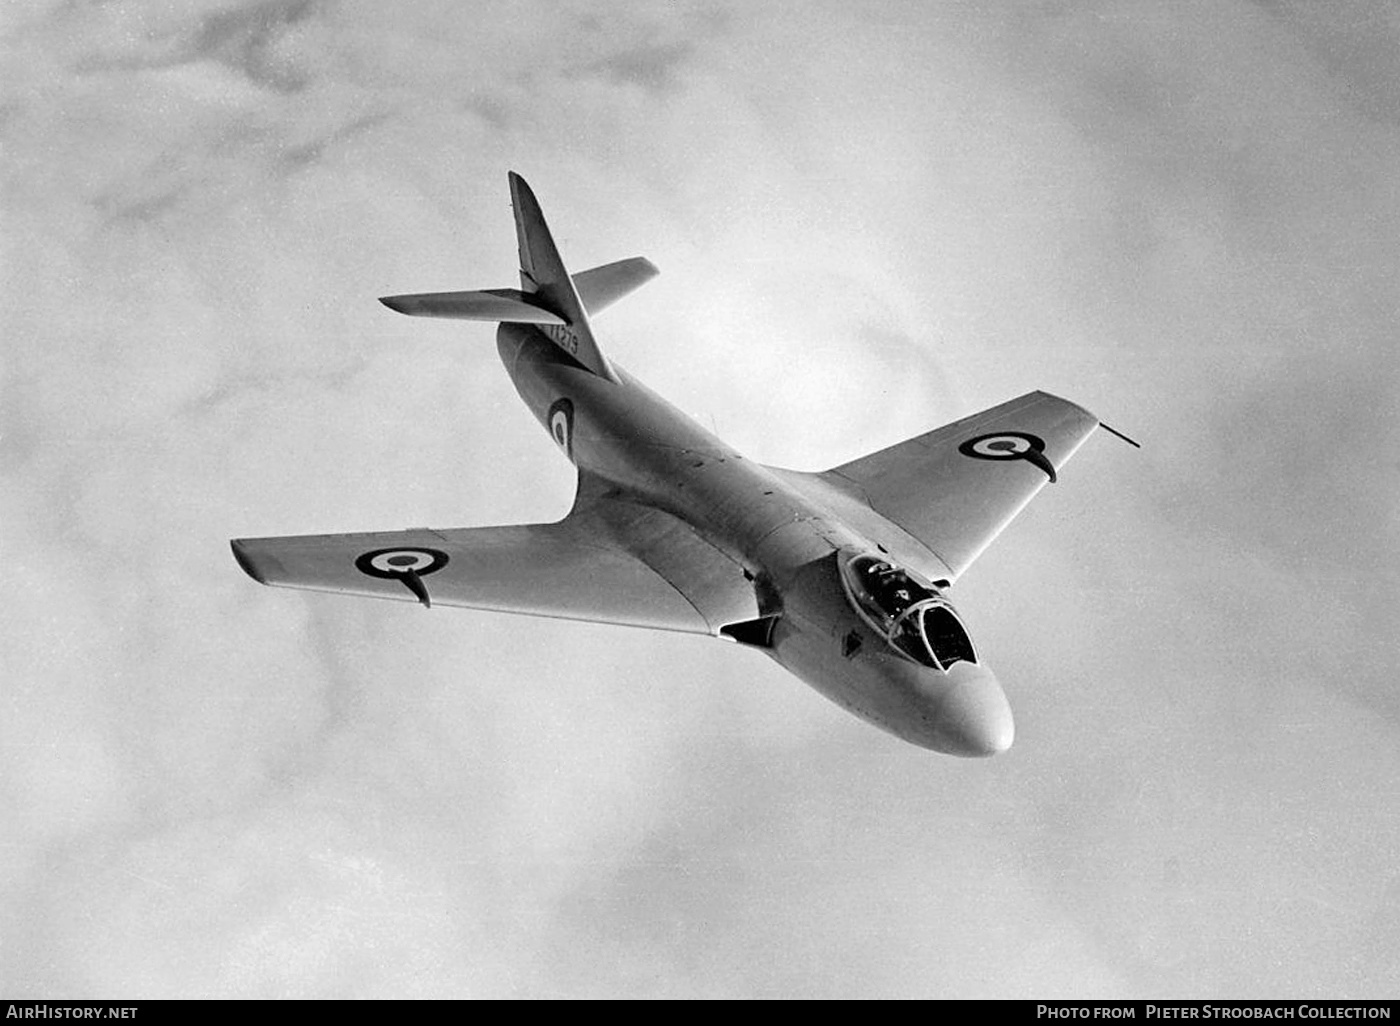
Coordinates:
(561, 425)
(400, 562)
(1010, 445)
(1004, 445)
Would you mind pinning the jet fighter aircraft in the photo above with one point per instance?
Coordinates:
(841, 577)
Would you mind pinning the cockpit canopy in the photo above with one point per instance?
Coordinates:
(913, 617)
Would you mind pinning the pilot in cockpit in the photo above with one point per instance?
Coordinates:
(890, 587)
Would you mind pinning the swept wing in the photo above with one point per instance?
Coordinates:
(954, 489)
(608, 561)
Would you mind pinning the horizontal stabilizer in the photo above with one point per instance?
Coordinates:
(508, 305)
(601, 287)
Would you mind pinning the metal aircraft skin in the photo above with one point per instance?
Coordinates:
(841, 577)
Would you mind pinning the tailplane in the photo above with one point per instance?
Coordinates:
(549, 296)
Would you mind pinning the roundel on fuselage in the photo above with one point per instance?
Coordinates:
(561, 425)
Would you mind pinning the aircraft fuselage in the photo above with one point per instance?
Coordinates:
(790, 544)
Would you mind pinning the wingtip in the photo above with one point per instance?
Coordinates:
(394, 303)
(240, 553)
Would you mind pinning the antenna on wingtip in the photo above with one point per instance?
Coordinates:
(1120, 434)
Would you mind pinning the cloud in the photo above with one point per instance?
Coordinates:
(870, 221)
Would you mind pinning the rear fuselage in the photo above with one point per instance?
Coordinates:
(787, 541)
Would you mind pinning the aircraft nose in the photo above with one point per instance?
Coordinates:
(973, 717)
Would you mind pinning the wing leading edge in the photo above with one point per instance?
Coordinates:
(608, 561)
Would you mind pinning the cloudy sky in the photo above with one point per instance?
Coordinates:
(871, 219)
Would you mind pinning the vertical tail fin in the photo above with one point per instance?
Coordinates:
(544, 279)
(548, 296)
